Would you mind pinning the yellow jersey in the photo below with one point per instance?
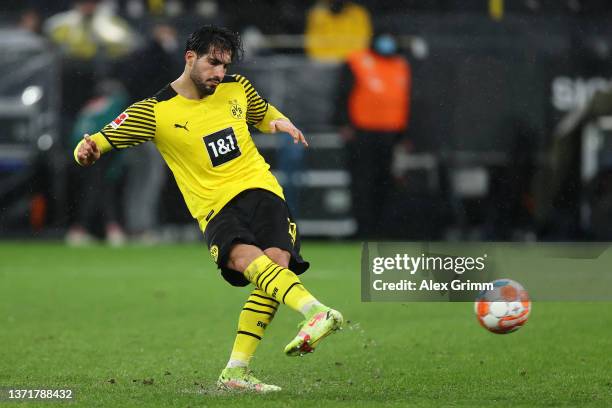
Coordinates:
(206, 143)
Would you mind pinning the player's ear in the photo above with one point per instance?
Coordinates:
(190, 58)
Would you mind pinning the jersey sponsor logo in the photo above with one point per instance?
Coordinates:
(235, 109)
(214, 252)
(292, 231)
(222, 146)
(179, 126)
(118, 121)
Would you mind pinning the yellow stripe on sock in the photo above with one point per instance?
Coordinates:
(246, 333)
(265, 288)
(279, 283)
(294, 284)
(266, 274)
(256, 267)
(264, 297)
(261, 304)
(258, 311)
(252, 325)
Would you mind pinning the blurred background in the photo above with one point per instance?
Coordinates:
(432, 119)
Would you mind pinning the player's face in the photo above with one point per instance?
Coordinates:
(208, 71)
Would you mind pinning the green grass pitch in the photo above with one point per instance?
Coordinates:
(153, 327)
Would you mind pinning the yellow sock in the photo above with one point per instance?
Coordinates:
(257, 313)
(281, 284)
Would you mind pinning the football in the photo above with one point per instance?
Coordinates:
(503, 309)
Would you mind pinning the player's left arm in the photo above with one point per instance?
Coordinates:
(285, 125)
(265, 117)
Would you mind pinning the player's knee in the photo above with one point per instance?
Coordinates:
(278, 256)
(241, 256)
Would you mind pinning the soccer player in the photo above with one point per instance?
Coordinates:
(199, 123)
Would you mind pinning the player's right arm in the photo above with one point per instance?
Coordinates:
(266, 117)
(132, 127)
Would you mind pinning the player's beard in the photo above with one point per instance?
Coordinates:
(203, 88)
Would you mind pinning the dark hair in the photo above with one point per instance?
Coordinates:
(211, 37)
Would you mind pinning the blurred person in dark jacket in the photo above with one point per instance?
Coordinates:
(558, 187)
(30, 20)
(98, 199)
(146, 171)
(373, 112)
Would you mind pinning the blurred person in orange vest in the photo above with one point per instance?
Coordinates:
(335, 29)
(373, 112)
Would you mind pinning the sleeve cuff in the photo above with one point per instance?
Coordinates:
(101, 141)
(271, 114)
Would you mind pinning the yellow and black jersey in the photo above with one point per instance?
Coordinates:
(206, 143)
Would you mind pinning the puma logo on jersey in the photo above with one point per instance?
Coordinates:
(177, 126)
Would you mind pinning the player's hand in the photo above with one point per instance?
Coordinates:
(283, 125)
(88, 152)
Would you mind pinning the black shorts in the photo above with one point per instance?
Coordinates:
(256, 217)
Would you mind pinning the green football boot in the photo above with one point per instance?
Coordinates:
(319, 326)
(241, 379)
